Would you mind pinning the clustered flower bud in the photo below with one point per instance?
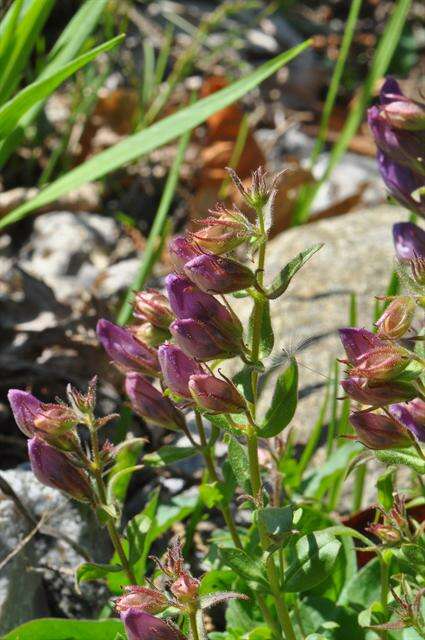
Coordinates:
(54, 469)
(125, 350)
(223, 230)
(151, 404)
(376, 365)
(149, 600)
(398, 126)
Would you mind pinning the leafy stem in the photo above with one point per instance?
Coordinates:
(96, 469)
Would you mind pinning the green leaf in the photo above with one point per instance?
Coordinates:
(125, 459)
(55, 629)
(210, 494)
(364, 587)
(284, 402)
(312, 559)
(168, 454)
(282, 281)
(245, 566)
(277, 522)
(266, 330)
(12, 111)
(385, 486)
(93, 571)
(238, 460)
(407, 458)
(153, 137)
(243, 382)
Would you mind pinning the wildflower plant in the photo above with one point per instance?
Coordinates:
(283, 553)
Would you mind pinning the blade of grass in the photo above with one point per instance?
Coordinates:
(26, 34)
(383, 55)
(347, 39)
(156, 234)
(332, 429)
(12, 111)
(7, 33)
(164, 55)
(148, 83)
(155, 136)
(65, 49)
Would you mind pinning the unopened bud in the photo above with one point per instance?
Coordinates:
(149, 403)
(216, 274)
(412, 416)
(177, 368)
(54, 469)
(223, 230)
(382, 363)
(140, 625)
(397, 318)
(152, 306)
(148, 600)
(404, 113)
(127, 352)
(181, 251)
(378, 431)
(203, 341)
(215, 395)
(380, 395)
(389, 535)
(186, 588)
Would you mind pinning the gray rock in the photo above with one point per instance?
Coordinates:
(44, 567)
(75, 253)
(357, 258)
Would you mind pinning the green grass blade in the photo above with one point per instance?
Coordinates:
(66, 48)
(383, 55)
(163, 56)
(156, 234)
(148, 73)
(336, 78)
(26, 34)
(12, 111)
(7, 32)
(75, 33)
(153, 137)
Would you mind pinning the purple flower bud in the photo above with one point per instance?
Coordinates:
(181, 250)
(400, 111)
(25, 408)
(386, 533)
(377, 431)
(357, 342)
(51, 422)
(403, 147)
(401, 182)
(215, 395)
(409, 241)
(185, 588)
(149, 403)
(377, 395)
(177, 368)
(397, 318)
(187, 301)
(412, 416)
(201, 340)
(54, 469)
(143, 626)
(216, 274)
(152, 306)
(128, 353)
(141, 598)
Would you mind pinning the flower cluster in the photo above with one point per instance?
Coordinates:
(54, 448)
(383, 368)
(175, 336)
(178, 589)
(398, 126)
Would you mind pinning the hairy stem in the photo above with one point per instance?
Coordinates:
(193, 626)
(209, 462)
(112, 530)
(254, 467)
